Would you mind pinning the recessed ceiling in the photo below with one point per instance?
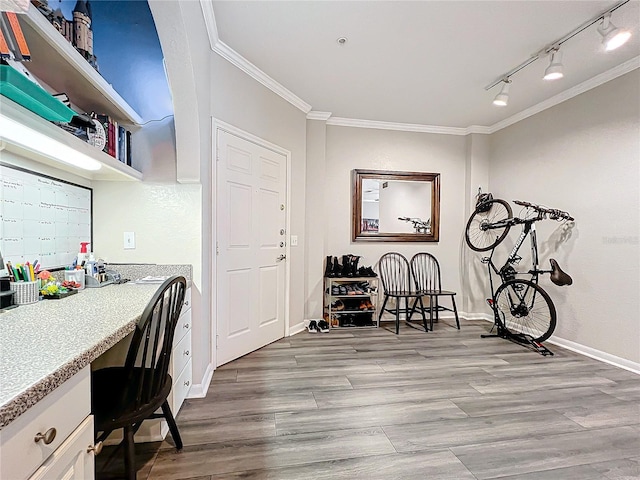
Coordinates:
(420, 62)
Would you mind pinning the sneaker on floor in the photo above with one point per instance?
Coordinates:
(323, 326)
(312, 327)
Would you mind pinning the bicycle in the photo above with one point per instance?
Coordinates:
(523, 311)
(420, 226)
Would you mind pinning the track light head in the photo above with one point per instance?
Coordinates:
(502, 99)
(612, 36)
(554, 70)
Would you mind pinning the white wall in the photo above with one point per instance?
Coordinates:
(350, 148)
(583, 156)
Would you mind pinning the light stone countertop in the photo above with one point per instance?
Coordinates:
(44, 344)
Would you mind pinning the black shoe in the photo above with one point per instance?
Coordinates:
(313, 327)
(328, 269)
(323, 326)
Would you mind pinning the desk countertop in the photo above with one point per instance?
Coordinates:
(42, 345)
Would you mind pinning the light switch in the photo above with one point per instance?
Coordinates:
(294, 240)
(129, 240)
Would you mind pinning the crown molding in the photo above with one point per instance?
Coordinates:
(315, 115)
(405, 127)
(587, 85)
(243, 64)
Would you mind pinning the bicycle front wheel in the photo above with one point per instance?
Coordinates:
(479, 234)
(526, 309)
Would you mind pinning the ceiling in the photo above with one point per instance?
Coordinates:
(420, 62)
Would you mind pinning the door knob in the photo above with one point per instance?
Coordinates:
(281, 257)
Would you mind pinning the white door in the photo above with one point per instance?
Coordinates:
(250, 225)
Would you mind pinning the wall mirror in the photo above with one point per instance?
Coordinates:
(395, 206)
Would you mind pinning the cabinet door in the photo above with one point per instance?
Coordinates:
(72, 460)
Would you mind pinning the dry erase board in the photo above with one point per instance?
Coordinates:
(42, 218)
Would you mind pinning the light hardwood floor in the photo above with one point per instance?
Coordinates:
(369, 404)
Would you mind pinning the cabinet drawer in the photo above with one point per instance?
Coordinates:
(73, 460)
(63, 409)
(181, 355)
(180, 388)
(183, 326)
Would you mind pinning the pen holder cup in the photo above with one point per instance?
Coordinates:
(75, 276)
(25, 292)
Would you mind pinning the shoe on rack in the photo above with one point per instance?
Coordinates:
(312, 327)
(335, 290)
(328, 271)
(343, 290)
(337, 305)
(323, 326)
(334, 321)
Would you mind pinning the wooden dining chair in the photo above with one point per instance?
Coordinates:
(425, 271)
(125, 396)
(396, 284)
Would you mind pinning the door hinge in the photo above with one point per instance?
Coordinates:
(217, 340)
(217, 249)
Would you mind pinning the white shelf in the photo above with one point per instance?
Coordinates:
(58, 63)
(111, 169)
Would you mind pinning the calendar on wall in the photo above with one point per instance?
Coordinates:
(42, 218)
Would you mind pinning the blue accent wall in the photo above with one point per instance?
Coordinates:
(126, 43)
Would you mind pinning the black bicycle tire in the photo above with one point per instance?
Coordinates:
(548, 327)
(473, 218)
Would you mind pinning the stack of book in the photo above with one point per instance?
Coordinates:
(117, 139)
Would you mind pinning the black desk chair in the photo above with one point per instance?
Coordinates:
(396, 284)
(123, 397)
(425, 270)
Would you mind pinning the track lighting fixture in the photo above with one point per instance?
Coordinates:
(502, 99)
(554, 70)
(612, 38)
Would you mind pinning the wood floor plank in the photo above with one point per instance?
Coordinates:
(402, 466)
(241, 390)
(394, 394)
(624, 469)
(416, 377)
(467, 431)
(599, 416)
(366, 416)
(228, 457)
(319, 370)
(549, 452)
(542, 382)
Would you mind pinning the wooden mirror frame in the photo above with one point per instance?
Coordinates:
(357, 235)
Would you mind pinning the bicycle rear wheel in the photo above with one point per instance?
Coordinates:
(526, 309)
(478, 235)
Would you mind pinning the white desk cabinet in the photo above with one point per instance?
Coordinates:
(54, 437)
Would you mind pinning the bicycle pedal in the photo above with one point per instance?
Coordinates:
(485, 260)
(490, 302)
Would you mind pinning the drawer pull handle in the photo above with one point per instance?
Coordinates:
(96, 449)
(186, 325)
(47, 437)
(186, 352)
(187, 383)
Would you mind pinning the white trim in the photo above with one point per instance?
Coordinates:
(596, 354)
(315, 115)
(227, 127)
(299, 327)
(476, 316)
(593, 82)
(404, 127)
(210, 22)
(199, 390)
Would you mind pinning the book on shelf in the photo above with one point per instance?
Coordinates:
(117, 139)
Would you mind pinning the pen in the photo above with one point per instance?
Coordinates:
(33, 275)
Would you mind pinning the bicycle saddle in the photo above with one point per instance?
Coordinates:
(559, 277)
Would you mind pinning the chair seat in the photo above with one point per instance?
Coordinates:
(402, 293)
(436, 292)
(110, 410)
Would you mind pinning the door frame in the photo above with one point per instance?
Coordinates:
(217, 125)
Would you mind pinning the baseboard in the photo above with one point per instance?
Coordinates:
(300, 327)
(199, 390)
(599, 355)
(596, 354)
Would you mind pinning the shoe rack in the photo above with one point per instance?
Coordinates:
(351, 302)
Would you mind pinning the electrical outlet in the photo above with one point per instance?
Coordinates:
(294, 240)
(129, 240)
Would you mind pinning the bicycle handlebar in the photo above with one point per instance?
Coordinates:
(554, 214)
